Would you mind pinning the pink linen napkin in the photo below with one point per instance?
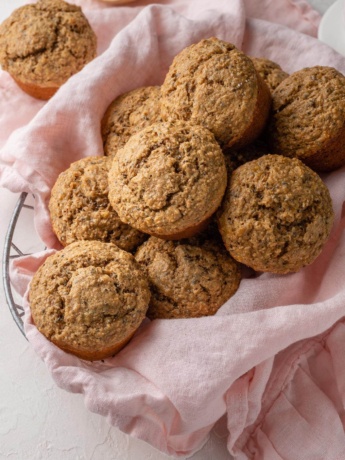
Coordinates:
(271, 358)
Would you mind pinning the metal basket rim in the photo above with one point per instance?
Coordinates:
(16, 310)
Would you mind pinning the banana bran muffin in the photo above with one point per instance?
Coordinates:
(188, 278)
(44, 43)
(168, 179)
(80, 209)
(276, 214)
(270, 72)
(308, 118)
(89, 299)
(215, 85)
(128, 114)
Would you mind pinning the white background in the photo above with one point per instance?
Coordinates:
(38, 421)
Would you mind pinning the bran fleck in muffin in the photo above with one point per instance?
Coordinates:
(128, 114)
(80, 209)
(168, 180)
(215, 85)
(43, 44)
(270, 72)
(89, 299)
(276, 214)
(188, 278)
(308, 118)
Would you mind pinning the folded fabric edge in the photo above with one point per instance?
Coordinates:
(254, 440)
(307, 12)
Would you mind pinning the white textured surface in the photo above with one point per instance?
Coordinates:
(38, 421)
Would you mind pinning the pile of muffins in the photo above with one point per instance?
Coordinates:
(215, 170)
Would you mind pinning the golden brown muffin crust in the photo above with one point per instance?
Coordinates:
(89, 298)
(128, 114)
(46, 42)
(308, 118)
(80, 209)
(276, 214)
(188, 278)
(215, 85)
(167, 178)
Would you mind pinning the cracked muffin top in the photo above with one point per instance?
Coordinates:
(188, 278)
(308, 118)
(80, 209)
(167, 179)
(128, 114)
(215, 85)
(270, 71)
(276, 214)
(89, 298)
(46, 42)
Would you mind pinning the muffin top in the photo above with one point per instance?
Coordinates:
(167, 178)
(270, 71)
(215, 85)
(46, 42)
(308, 117)
(80, 209)
(188, 278)
(88, 297)
(128, 114)
(276, 214)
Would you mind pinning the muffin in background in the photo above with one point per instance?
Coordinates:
(188, 278)
(215, 85)
(276, 214)
(89, 299)
(237, 157)
(307, 120)
(80, 209)
(128, 114)
(270, 72)
(43, 44)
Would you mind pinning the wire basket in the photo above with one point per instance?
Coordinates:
(21, 240)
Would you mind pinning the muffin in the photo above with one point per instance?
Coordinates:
(43, 44)
(215, 85)
(308, 118)
(128, 114)
(80, 209)
(168, 180)
(276, 214)
(188, 278)
(89, 299)
(269, 71)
